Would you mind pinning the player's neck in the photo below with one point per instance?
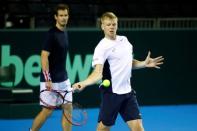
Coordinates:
(62, 28)
(110, 37)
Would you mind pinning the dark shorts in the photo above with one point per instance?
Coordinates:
(112, 104)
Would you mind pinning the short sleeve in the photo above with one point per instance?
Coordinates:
(99, 56)
(47, 45)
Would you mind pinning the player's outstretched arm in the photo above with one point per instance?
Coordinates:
(94, 77)
(148, 62)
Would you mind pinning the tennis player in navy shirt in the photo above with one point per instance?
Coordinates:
(113, 60)
(53, 61)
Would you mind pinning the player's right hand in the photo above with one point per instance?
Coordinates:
(78, 87)
(49, 85)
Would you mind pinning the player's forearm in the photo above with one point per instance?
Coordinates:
(45, 66)
(44, 63)
(138, 64)
(94, 77)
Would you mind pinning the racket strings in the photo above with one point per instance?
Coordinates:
(77, 116)
(53, 100)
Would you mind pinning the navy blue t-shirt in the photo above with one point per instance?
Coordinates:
(57, 44)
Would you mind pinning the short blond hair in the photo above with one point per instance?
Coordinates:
(108, 15)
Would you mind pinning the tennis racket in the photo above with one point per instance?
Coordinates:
(78, 116)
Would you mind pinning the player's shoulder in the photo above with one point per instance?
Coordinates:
(121, 38)
(50, 32)
(52, 29)
(102, 43)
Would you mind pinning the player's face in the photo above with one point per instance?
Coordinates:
(62, 18)
(109, 26)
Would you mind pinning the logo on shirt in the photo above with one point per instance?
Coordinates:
(95, 59)
(113, 49)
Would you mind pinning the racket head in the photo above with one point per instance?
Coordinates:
(78, 116)
(51, 99)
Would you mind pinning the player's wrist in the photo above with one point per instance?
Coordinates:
(86, 83)
(47, 75)
(89, 82)
(144, 64)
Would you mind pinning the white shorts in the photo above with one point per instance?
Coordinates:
(66, 85)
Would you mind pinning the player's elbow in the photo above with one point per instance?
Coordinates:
(99, 76)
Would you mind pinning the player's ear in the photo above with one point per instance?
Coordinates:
(102, 26)
(55, 17)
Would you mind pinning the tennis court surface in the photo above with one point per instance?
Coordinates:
(155, 118)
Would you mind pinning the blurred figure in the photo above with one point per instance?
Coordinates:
(53, 60)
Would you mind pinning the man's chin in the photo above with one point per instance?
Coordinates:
(63, 24)
(112, 35)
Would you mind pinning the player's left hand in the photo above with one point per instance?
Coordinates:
(153, 62)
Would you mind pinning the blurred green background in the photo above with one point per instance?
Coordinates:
(174, 83)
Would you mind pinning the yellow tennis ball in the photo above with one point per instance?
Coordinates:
(106, 83)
